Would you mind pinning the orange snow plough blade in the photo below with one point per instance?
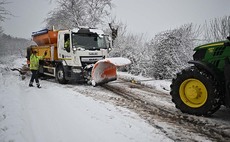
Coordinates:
(106, 70)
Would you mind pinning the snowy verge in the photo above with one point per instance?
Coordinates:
(159, 85)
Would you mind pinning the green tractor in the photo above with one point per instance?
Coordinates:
(203, 87)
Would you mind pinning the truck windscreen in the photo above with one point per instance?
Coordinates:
(88, 41)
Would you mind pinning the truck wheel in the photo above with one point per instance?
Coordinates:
(196, 92)
(60, 75)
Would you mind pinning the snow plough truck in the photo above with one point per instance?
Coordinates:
(79, 54)
(203, 87)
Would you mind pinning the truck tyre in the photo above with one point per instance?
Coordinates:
(60, 75)
(195, 91)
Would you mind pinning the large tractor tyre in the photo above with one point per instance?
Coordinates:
(60, 75)
(195, 91)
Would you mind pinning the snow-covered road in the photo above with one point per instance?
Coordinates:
(57, 113)
(79, 112)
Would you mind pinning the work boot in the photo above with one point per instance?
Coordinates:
(31, 85)
(38, 85)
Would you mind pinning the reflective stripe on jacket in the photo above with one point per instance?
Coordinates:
(34, 61)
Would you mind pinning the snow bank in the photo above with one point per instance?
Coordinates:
(117, 61)
(160, 85)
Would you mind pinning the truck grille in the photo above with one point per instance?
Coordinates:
(91, 59)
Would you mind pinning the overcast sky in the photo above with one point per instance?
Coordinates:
(28, 17)
(140, 16)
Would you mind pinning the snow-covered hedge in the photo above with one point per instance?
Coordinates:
(160, 58)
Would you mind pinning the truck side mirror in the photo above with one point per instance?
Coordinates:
(109, 43)
(114, 31)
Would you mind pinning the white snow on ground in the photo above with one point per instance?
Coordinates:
(56, 113)
(160, 85)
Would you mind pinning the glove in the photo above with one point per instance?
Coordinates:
(45, 53)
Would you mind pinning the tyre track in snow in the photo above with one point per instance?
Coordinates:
(153, 105)
(158, 110)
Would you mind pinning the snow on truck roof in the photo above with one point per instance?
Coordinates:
(92, 30)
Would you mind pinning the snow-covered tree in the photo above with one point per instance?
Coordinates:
(14, 46)
(172, 51)
(3, 12)
(3, 15)
(162, 57)
(130, 46)
(217, 29)
(74, 13)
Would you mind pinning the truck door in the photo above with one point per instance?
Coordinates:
(65, 50)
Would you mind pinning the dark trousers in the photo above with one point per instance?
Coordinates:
(34, 76)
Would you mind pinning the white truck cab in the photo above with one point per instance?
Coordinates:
(80, 47)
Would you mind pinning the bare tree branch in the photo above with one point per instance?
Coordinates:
(3, 12)
(217, 29)
(73, 13)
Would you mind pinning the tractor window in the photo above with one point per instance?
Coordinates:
(67, 42)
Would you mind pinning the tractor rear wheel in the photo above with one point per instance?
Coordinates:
(195, 91)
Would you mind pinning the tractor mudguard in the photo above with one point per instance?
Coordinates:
(206, 67)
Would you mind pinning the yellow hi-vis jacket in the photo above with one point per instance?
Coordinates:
(34, 61)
